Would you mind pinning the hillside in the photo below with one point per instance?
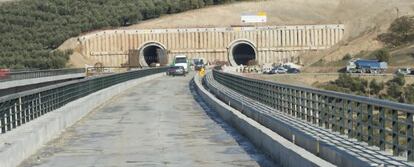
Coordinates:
(364, 20)
(32, 30)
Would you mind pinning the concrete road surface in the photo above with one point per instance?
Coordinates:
(159, 123)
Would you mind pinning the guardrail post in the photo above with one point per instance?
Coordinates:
(23, 110)
(2, 119)
(13, 111)
(326, 112)
(370, 109)
(297, 105)
(395, 132)
(350, 118)
(342, 116)
(410, 137)
(290, 101)
(382, 129)
(334, 114)
(18, 109)
(315, 109)
(308, 107)
(320, 110)
(8, 120)
(277, 93)
(304, 105)
(359, 121)
(286, 101)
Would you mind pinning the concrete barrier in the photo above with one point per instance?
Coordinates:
(19, 144)
(278, 148)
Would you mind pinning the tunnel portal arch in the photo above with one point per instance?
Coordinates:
(241, 51)
(152, 52)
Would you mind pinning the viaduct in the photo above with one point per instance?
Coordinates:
(236, 45)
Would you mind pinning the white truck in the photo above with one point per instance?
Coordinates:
(182, 60)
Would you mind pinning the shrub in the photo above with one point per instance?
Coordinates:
(347, 57)
(354, 84)
(398, 79)
(390, 39)
(376, 87)
(395, 91)
(409, 94)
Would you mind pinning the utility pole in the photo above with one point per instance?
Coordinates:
(398, 12)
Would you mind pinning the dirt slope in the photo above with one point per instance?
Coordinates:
(280, 12)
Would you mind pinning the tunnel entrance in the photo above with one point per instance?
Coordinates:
(151, 54)
(241, 53)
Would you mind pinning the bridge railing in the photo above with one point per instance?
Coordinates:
(385, 124)
(10, 76)
(17, 109)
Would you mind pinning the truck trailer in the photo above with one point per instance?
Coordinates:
(366, 66)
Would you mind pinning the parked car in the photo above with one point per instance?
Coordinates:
(278, 70)
(176, 70)
(293, 71)
(405, 71)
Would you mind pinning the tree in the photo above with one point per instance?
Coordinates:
(36, 28)
(403, 26)
(383, 55)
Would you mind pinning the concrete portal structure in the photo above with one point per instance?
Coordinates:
(237, 45)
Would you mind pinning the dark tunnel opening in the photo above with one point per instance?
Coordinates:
(243, 53)
(153, 54)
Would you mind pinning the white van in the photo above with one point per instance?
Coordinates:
(181, 60)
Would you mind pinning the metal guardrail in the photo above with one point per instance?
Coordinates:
(385, 124)
(10, 76)
(17, 109)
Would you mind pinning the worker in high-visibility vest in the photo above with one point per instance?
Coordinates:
(202, 72)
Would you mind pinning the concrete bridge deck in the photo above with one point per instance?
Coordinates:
(159, 123)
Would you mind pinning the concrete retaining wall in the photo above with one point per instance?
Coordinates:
(274, 44)
(22, 142)
(278, 148)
